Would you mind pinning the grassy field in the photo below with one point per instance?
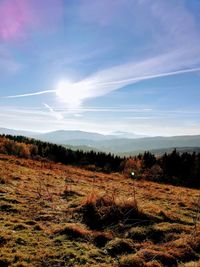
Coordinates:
(55, 215)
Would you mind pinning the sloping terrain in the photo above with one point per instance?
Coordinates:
(56, 215)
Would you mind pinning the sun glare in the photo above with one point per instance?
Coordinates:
(69, 93)
(73, 94)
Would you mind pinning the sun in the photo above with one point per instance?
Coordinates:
(69, 93)
(73, 94)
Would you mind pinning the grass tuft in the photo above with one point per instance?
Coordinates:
(120, 246)
(132, 260)
(103, 211)
(74, 231)
(101, 238)
(163, 257)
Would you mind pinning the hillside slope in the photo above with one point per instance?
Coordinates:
(56, 215)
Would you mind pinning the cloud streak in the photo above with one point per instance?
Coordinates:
(147, 77)
(110, 80)
(184, 58)
(104, 82)
(150, 124)
(30, 94)
(54, 113)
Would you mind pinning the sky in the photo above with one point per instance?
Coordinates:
(100, 66)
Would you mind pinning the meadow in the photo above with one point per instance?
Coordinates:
(57, 215)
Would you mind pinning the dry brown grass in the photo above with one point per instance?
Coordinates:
(109, 211)
(131, 260)
(55, 215)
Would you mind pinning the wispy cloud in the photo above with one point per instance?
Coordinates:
(106, 109)
(175, 37)
(150, 123)
(179, 29)
(30, 94)
(109, 80)
(54, 113)
(102, 83)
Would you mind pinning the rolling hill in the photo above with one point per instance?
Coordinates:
(148, 143)
(113, 143)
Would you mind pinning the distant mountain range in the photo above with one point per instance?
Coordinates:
(119, 142)
(62, 136)
(148, 143)
(16, 132)
(120, 134)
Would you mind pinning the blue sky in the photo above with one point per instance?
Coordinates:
(104, 66)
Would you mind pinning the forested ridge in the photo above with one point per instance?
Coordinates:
(174, 168)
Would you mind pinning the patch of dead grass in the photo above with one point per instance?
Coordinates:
(97, 222)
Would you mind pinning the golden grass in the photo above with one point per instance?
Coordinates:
(54, 215)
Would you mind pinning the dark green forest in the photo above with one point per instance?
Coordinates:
(174, 168)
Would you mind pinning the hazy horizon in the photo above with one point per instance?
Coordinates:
(100, 66)
(114, 133)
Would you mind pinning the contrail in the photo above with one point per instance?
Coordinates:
(147, 77)
(55, 114)
(118, 83)
(30, 94)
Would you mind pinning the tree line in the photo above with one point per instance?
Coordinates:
(174, 168)
(32, 148)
